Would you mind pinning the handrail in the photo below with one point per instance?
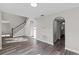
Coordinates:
(19, 25)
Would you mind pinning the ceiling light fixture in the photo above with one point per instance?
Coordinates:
(33, 4)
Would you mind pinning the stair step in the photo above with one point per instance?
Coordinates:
(7, 35)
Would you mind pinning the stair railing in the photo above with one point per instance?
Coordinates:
(17, 28)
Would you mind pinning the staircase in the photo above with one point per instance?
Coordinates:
(14, 30)
(17, 28)
(9, 37)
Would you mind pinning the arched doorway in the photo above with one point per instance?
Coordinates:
(59, 31)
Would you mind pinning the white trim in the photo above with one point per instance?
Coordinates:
(72, 50)
(45, 42)
(3, 21)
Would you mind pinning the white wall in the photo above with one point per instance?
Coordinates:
(0, 33)
(29, 27)
(71, 28)
(44, 29)
(14, 20)
(6, 28)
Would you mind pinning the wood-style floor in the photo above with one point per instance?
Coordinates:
(29, 48)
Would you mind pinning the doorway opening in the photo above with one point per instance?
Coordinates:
(59, 32)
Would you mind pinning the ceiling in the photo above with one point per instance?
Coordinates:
(24, 9)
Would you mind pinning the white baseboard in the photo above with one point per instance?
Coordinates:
(45, 42)
(72, 50)
(18, 36)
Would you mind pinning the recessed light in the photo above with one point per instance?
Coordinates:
(33, 4)
(42, 15)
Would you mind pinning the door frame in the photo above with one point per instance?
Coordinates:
(54, 29)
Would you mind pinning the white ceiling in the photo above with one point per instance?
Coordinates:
(24, 9)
